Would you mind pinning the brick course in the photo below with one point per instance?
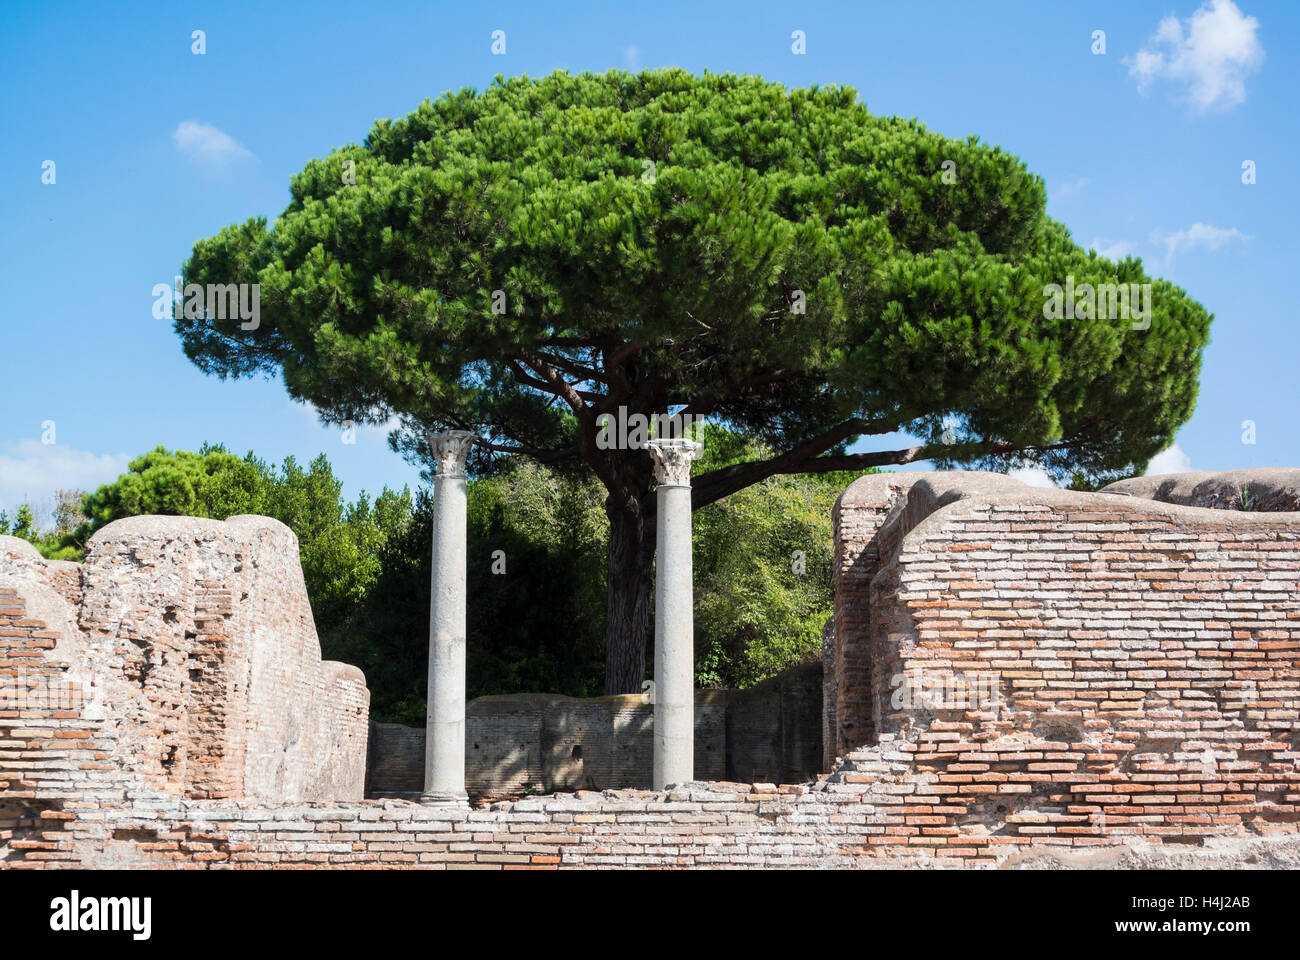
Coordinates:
(1014, 676)
(186, 663)
(1061, 665)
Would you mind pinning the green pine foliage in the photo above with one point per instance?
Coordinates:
(924, 297)
(524, 259)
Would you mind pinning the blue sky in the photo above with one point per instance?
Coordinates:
(155, 147)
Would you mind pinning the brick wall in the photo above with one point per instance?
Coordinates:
(54, 743)
(194, 665)
(718, 825)
(1057, 664)
(1016, 676)
(855, 520)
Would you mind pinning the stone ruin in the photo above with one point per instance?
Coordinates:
(1012, 676)
(771, 732)
(180, 660)
(1070, 666)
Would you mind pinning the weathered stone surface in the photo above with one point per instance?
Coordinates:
(1021, 677)
(702, 825)
(1041, 663)
(185, 663)
(549, 742)
(674, 699)
(444, 762)
(774, 729)
(1263, 489)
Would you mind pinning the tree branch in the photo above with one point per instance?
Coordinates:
(703, 406)
(523, 377)
(575, 368)
(587, 424)
(626, 352)
(620, 388)
(543, 456)
(725, 481)
(716, 484)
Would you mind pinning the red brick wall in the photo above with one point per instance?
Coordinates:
(1092, 675)
(197, 641)
(855, 521)
(1103, 664)
(54, 747)
(900, 822)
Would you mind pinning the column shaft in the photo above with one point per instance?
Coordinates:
(674, 717)
(444, 747)
(674, 726)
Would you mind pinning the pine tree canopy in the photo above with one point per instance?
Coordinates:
(524, 259)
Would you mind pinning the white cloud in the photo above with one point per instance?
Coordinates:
(632, 57)
(1112, 250)
(207, 145)
(1066, 189)
(1210, 54)
(1198, 235)
(1173, 460)
(30, 472)
(1032, 476)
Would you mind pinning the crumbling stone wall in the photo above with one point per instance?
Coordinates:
(774, 729)
(713, 825)
(768, 733)
(53, 738)
(1015, 676)
(1258, 489)
(188, 656)
(1050, 663)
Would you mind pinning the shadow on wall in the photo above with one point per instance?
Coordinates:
(769, 733)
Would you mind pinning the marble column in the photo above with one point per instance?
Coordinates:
(444, 746)
(674, 713)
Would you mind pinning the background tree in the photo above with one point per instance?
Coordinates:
(339, 543)
(523, 260)
(537, 542)
(210, 483)
(64, 538)
(763, 557)
(22, 524)
(68, 513)
(536, 595)
(535, 622)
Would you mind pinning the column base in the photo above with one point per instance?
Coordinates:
(445, 798)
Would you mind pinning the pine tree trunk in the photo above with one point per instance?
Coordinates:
(631, 575)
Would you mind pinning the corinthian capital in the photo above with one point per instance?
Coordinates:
(450, 448)
(672, 459)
